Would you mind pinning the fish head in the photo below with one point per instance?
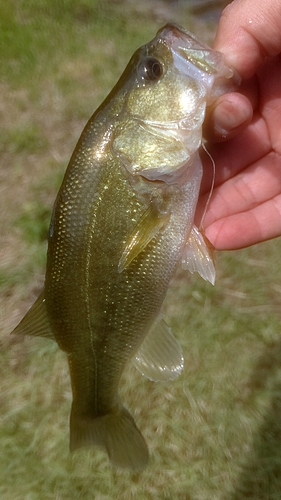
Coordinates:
(174, 74)
(166, 88)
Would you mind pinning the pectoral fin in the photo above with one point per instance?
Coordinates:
(159, 357)
(35, 322)
(197, 258)
(145, 229)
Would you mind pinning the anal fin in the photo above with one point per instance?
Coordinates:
(159, 357)
(35, 322)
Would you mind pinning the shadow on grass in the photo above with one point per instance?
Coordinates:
(261, 477)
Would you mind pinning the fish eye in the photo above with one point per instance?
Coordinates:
(151, 69)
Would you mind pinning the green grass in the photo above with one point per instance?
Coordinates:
(214, 433)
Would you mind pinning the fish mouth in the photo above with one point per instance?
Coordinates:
(193, 57)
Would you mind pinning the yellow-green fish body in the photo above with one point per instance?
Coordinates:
(122, 221)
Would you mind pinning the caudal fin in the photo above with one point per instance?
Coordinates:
(116, 432)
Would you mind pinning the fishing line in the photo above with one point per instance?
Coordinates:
(212, 187)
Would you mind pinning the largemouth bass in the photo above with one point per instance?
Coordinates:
(122, 221)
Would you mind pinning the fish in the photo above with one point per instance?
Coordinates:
(122, 221)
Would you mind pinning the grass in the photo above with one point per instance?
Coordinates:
(214, 433)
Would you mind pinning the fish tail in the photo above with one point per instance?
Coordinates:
(116, 432)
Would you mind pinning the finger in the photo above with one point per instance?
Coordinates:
(248, 33)
(257, 184)
(234, 156)
(227, 117)
(247, 228)
(270, 99)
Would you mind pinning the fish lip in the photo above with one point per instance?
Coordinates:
(175, 35)
(172, 31)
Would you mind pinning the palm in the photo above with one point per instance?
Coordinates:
(246, 204)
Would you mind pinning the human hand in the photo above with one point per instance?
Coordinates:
(245, 207)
